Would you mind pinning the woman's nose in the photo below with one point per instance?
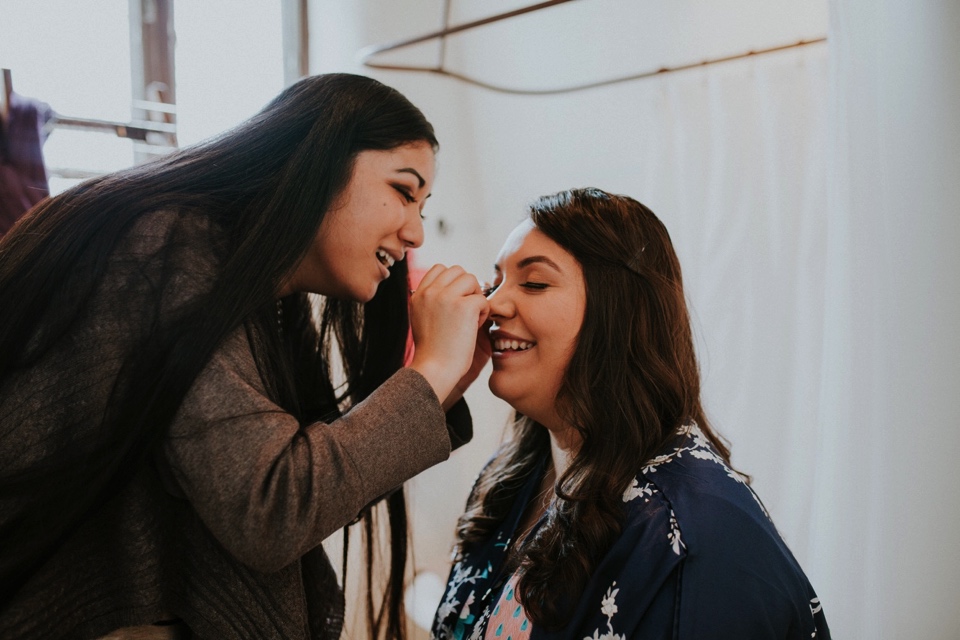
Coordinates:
(411, 233)
(500, 304)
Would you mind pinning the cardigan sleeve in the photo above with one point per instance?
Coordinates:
(270, 490)
(459, 424)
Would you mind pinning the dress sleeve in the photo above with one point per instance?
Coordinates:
(270, 490)
(739, 599)
(739, 581)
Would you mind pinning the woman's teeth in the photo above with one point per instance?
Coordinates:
(511, 345)
(385, 258)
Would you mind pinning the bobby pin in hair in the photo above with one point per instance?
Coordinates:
(634, 262)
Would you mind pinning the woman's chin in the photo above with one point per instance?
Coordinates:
(362, 295)
(496, 385)
(501, 389)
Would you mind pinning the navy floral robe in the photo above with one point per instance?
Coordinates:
(698, 559)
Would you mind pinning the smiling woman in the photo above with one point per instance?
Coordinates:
(536, 307)
(173, 449)
(613, 511)
(374, 221)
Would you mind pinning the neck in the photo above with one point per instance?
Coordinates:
(563, 447)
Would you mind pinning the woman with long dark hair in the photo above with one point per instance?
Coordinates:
(178, 430)
(613, 511)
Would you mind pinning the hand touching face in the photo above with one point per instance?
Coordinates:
(374, 221)
(447, 312)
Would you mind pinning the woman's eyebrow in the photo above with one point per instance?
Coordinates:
(526, 262)
(414, 172)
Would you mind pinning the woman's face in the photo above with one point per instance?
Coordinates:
(371, 225)
(537, 309)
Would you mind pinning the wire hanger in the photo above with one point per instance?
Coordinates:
(367, 54)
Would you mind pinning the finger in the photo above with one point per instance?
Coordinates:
(481, 287)
(449, 274)
(474, 282)
(460, 284)
(431, 275)
(483, 343)
(484, 313)
(483, 339)
(479, 307)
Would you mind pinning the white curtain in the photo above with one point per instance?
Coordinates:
(734, 165)
(812, 196)
(886, 517)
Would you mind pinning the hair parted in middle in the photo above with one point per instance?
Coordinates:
(632, 380)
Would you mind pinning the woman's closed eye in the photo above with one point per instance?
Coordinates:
(530, 286)
(406, 193)
(410, 198)
(535, 286)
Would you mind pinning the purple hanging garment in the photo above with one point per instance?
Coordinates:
(23, 178)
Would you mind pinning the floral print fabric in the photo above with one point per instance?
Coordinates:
(508, 621)
(698, 558)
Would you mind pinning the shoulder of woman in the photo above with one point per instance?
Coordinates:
(166, 253)
(167, 228)
(710, 511)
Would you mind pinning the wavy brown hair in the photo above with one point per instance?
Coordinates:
(632, 380)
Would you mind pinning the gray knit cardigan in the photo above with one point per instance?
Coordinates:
(223, 530)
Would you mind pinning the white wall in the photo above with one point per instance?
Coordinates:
(811, 196)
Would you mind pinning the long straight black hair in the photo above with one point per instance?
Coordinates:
(266, 185)
(631, 382)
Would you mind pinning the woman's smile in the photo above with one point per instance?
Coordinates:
(385, 258)
(507, 345)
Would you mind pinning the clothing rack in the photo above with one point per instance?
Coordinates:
(134, 130)
(151, 137)
(137, 130)
(367, 55)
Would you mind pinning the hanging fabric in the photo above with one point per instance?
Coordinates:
(23, 177)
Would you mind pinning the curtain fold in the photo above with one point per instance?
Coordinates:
(742, 191)
(886, 514)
